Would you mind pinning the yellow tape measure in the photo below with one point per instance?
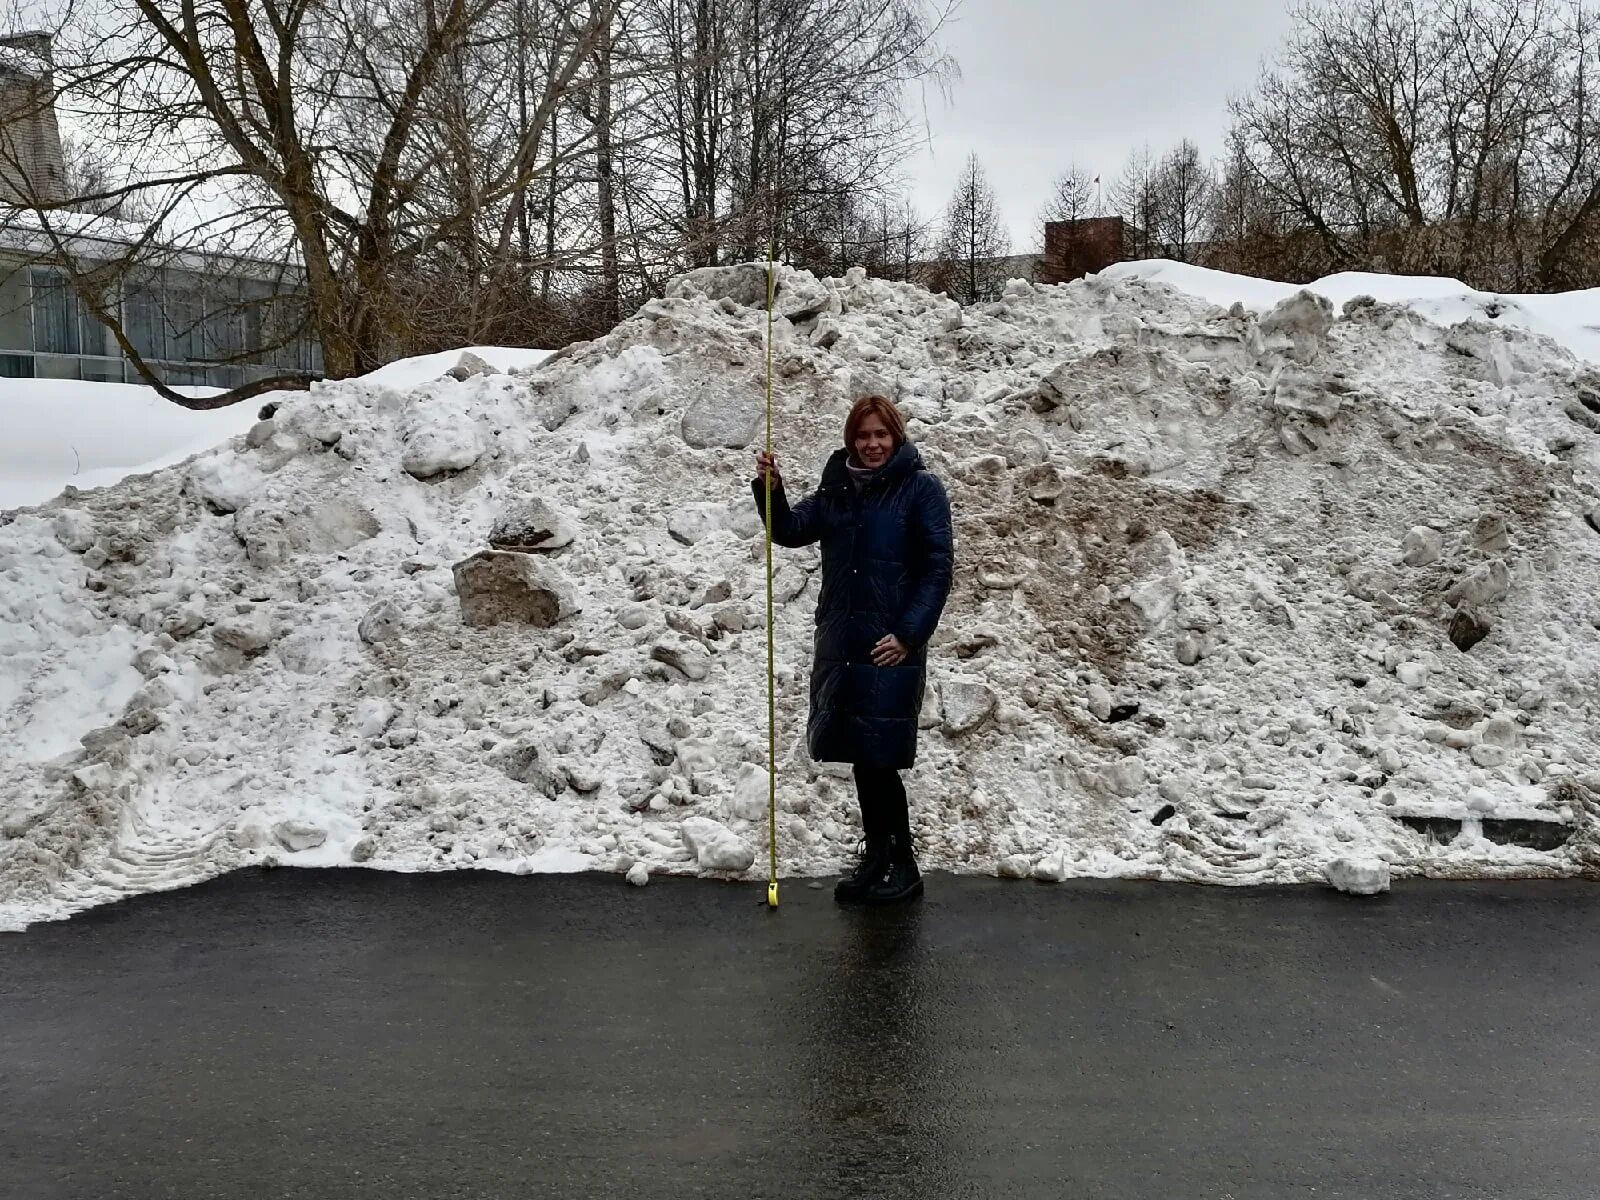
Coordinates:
(772, 702)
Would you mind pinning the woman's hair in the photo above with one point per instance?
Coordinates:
(875, 406)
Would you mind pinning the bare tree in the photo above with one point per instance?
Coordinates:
(1136, 197)
(1439, 136)
(974, 236)
(1071, 196)
(361, 140)
(1182, 184)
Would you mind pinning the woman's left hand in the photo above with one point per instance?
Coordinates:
(889, 652)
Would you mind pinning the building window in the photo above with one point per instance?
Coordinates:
(141, 314)
(55, 317)
(185, 319)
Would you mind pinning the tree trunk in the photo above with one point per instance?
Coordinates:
(609, 280)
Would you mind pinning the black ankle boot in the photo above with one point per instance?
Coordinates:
(898, 880)
(874, 862)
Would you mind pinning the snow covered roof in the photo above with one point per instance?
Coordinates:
(99, 237)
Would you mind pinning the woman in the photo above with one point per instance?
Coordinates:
(884, 524)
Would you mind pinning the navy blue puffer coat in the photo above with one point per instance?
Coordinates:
(887, 555)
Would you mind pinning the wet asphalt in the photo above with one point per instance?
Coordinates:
(334, 1034)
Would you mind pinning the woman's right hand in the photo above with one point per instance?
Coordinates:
(767, 464)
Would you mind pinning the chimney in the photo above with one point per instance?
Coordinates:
(33, 42)
(32, 170)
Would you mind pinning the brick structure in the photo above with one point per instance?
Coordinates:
(1073, 249)
(31, 167)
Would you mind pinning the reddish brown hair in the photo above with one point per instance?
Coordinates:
(874, 406)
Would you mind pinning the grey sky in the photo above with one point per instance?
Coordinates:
(1047, 82)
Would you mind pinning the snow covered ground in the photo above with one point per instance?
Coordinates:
(61, 433)
(1219, 565)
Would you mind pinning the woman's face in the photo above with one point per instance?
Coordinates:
(873, 443)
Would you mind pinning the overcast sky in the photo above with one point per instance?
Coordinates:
(1047, 82)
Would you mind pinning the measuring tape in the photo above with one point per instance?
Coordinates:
(772, 701)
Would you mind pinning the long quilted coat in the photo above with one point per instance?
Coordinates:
(887, 552)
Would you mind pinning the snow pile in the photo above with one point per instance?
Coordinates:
(61, 433)
(1570, 318)
(1276, 596)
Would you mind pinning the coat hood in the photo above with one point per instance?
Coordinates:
(904, 461)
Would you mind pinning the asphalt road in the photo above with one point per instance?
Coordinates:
(351, 1034)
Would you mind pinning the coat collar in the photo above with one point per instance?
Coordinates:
(905, 460)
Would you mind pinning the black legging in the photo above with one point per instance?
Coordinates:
(884, 812)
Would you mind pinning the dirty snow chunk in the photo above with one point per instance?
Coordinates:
(531, 524)
(225, 481)
(750, 792)
(1125, 777)
(498, 585)
(639, 874)
(1359, 876)
(382, 623)
(715, 846)
(1015, 866)
(1412, 674)
(469, 365)
(967, 703)
(441, 441)
(1490, 534)
(1487, 756)
(364, 849)
(74, 529)
(692, 660)
(528, 761)
(295, 836)
(1052, 868)
(1302, 321)
(1421, 546)
(633, 616)
(273, 537)
(1099, 702)
(788, 581)
(1301, 393)
(249, 633)
(372, 717)
(691, 523)
(721, 419)
(1191, 648)
(1481, 586)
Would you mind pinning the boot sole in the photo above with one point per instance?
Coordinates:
(848, 895)
(910, 893)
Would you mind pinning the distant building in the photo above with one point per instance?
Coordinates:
(207, 319)
(1073, 249)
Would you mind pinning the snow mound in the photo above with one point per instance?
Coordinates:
(1245, 593)
(61, 433)
(1571, 319)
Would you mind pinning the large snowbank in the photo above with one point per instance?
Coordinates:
(1214, 562)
